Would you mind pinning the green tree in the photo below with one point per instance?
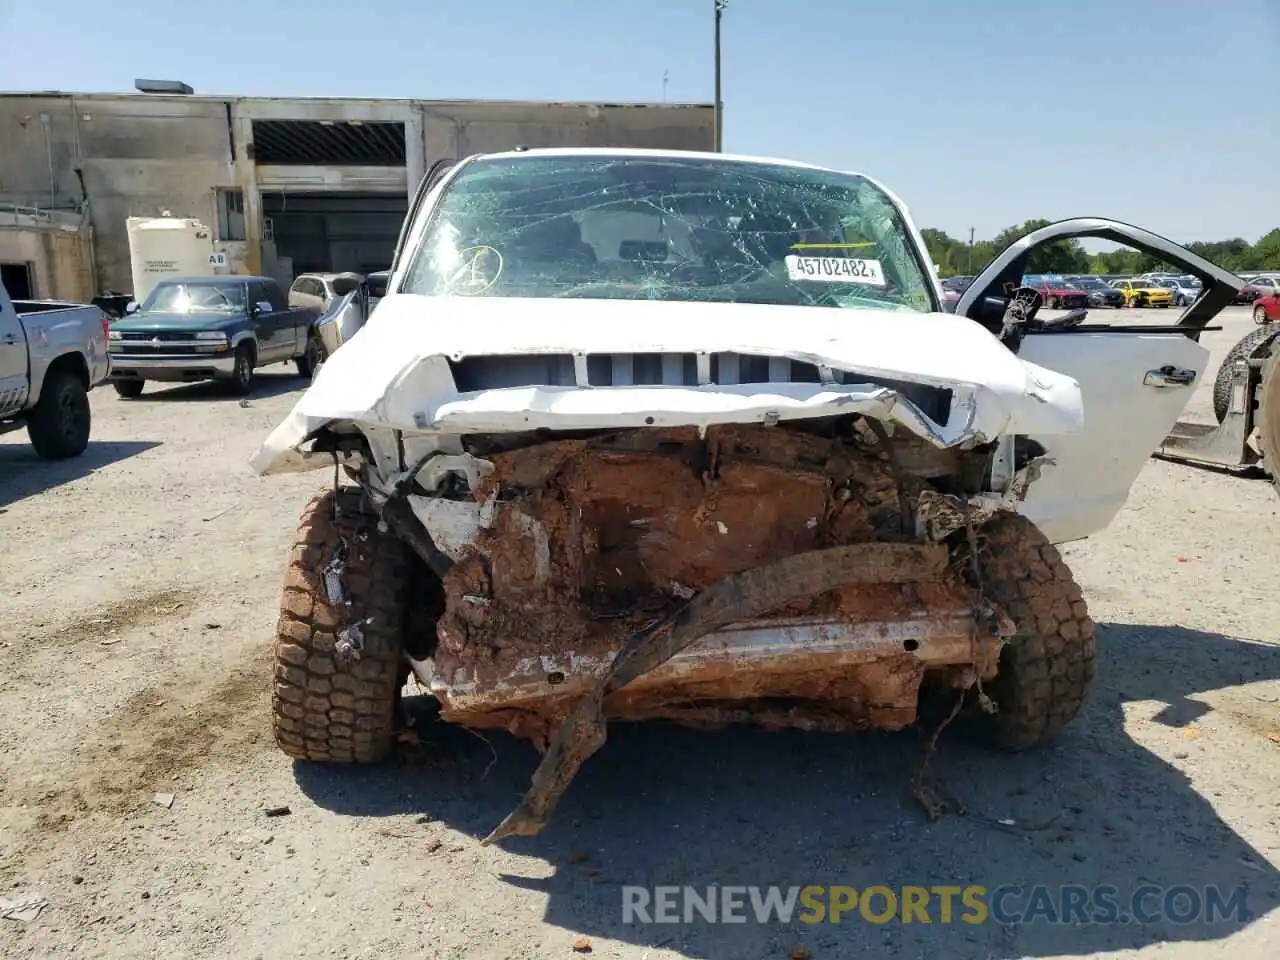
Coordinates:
(1266, 252)
(1068, 256)
(1058, 256)
(954, 257)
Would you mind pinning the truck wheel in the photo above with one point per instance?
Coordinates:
(241, 381)
(310, 361)
(1268, 417)
(129, 389)
(59, 425)
(1242, 350)
(1046, 669)
(327, 706)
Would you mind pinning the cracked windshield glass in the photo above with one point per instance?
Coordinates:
(669, 229)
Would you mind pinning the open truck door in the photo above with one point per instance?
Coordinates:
(1135, 380)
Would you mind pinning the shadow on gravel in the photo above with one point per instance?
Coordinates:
(23, 474)
(660, 805)
(265, 384)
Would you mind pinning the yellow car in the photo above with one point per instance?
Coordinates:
(1143, 293)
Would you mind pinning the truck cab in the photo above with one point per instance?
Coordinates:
(224, 328)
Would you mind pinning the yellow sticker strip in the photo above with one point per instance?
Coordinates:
(833, 246)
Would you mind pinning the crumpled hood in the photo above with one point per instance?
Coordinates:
(393, 374)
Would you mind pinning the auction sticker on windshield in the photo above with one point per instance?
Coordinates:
(835, 270)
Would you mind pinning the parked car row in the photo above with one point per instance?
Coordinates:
(188, 329)
(1090, 290)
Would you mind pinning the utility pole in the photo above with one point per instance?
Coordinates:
(969, 268)
(666, 74)
(719, 133)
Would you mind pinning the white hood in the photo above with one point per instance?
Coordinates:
(393, 372)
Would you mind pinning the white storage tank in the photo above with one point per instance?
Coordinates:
(164, 247)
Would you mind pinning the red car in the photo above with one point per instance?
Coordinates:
(1266, 309)
(1264, 286)
(1055, 292)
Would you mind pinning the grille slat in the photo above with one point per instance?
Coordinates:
(165, 337)
(135, 350)
(473, 374)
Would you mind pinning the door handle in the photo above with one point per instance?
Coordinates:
(1169, 376)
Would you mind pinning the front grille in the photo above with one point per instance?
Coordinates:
(159, 349)
(473, 374)
(166, 337)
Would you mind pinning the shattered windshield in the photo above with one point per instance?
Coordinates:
(693, 229)
(196, 298)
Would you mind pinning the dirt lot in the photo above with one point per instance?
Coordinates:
(140, 586)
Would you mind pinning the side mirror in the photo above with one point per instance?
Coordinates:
(263, 306)
(377, 283)
(345, 283)
(131, 306)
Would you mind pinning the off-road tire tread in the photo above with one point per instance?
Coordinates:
(1268, 417)
(322, 708)
(1222, 384)
(1045, 670)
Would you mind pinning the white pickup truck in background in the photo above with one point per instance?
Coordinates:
(51, 355)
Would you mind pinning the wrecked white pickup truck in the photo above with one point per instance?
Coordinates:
(671, 435)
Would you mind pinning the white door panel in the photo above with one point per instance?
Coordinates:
(13, 361)
(1129, 405)
(345, 318)
(1127, 415)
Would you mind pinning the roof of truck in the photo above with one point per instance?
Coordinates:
(655, 154)
(223, 278)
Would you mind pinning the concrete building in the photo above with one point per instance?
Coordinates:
(286, 185)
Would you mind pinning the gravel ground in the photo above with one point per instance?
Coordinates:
(141, 584)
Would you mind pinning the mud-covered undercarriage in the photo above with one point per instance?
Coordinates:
(590, 541)
(818, 575)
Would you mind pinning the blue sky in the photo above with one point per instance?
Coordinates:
(978, 113)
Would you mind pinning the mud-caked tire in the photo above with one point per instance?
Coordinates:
(1243, 349)
(1046, 669)
(326, 706)
(1268, 418)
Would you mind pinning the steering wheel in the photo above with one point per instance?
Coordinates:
(1024, 304)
